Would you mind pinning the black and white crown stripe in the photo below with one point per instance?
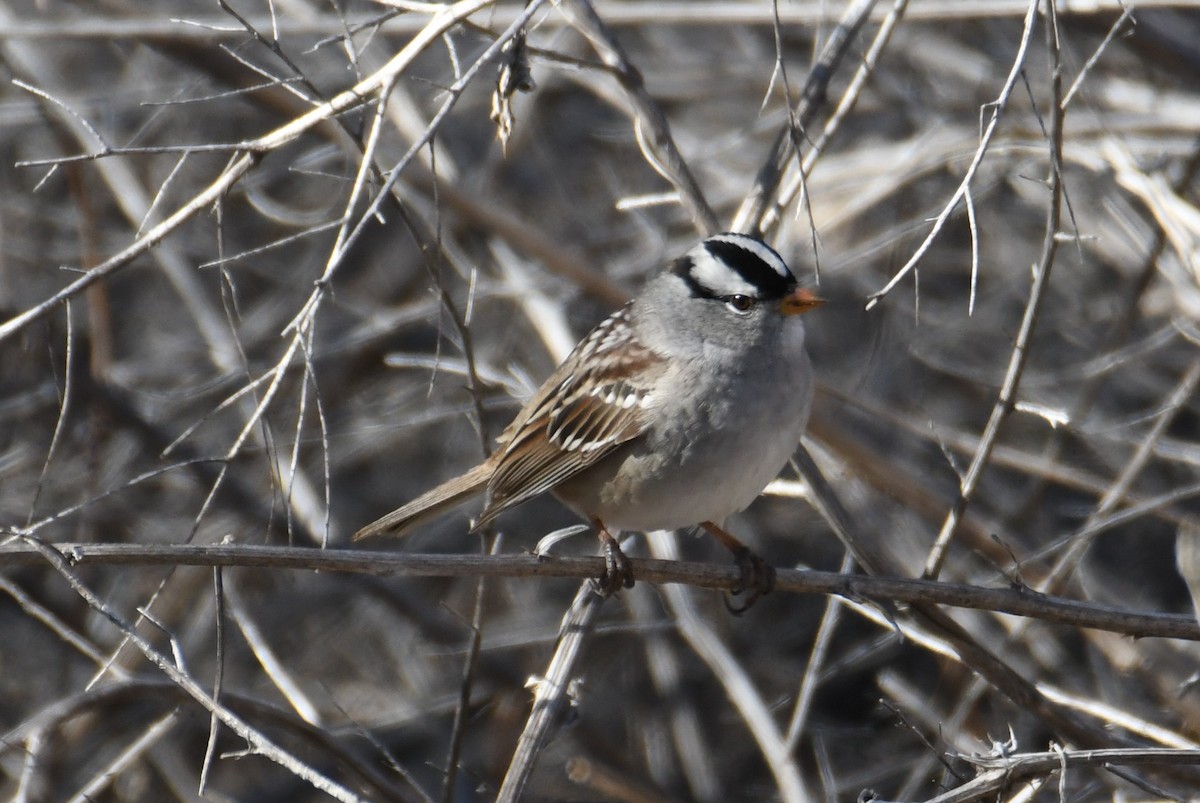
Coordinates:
(730, 264)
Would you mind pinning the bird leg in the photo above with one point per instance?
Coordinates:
(618, 572)
(758, 576)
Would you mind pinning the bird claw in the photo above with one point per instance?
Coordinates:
(758, 578)
(618, 571)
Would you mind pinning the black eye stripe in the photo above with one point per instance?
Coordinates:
(750, 266)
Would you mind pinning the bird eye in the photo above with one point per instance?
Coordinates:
(740, 303)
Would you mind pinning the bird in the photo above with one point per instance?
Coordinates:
(675, 411)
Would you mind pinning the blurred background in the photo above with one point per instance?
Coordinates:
(290, 362)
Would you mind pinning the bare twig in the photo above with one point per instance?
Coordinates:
(692, 750)
(651, 124)
(1020, 353)
(1183, 392)
(248, 154)
(1002, 772)
(1018, 602)
(753, 212)
(997, 106)
(811, 677)
(235, 723)
(733, 677)
(532, 250)
(930, 617)
(209, 28)
(105, 775)
(771, 216)
(551, 692)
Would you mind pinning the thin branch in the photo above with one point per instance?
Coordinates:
(1183, 392)
(125, 256)
(1001, 772)
(1015, 601)
(104, 776)
(55, 624)
(248, 154)
(754, 208)
(991, 668)
(617, 13)
(811, 678)
(798, 182)
(1020, 353)
(659, 147)
(734, 679)
(123, 694)
(552, 693)
(997, 106)
(258, 741)
(65, 400)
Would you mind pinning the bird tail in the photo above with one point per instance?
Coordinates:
(429, 505)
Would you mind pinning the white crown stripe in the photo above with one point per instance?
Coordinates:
(716, 277)
(758, 248)
(733, 264)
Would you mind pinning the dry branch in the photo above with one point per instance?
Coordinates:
(1015, 601)
(279, 369)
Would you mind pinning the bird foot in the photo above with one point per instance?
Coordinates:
(758, 580)
(618, 571)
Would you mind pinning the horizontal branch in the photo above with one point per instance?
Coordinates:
(1015, 601)
(1001, 772)
(208, 27)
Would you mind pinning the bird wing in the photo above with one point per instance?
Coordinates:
(595, 401)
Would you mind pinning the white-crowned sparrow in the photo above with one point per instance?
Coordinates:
(675, 411)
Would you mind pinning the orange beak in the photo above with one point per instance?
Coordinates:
(800, 300)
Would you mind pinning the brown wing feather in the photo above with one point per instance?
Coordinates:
(584, 411)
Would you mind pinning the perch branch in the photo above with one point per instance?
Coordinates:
(1015, 601)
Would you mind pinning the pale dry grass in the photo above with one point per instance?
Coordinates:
(302, 311)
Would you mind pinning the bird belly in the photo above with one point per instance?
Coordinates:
(696, 471)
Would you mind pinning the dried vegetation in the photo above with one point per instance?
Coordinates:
(301, 280)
